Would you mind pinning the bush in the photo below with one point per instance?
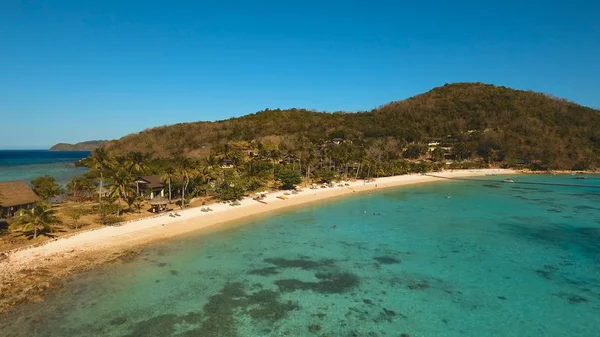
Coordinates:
(289, 178)
(110, 220)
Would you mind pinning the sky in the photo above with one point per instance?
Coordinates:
(72, 71)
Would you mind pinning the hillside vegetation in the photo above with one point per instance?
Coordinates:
(472, 121)
(82, 146)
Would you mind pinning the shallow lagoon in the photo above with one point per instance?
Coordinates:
(491, 260)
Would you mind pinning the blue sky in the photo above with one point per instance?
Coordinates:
(81, 70)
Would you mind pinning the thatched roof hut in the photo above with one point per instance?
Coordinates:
(15, 195)
(158, 200)
(158, 203)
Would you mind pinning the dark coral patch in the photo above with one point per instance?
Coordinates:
(264, 271)
(572, 298)
(330, 283)
(386, 260)
(419, 286)
(300, 263)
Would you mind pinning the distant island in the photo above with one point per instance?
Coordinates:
(82, 146)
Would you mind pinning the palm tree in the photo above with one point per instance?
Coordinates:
(101, 161)
(121, 184)
(137, 163)
(40, 216)
(275, 155)
(139, 203)
(186, 171)
(167, 177)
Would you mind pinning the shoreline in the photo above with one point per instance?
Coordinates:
(27, 274)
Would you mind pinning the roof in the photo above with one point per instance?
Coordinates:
(14, 193)
(158, 200)
(153, 181)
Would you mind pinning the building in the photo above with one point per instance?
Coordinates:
(151, 184)
(14, 196)
(432, 144)
(226, 163)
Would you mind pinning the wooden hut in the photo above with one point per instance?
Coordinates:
(16, 195)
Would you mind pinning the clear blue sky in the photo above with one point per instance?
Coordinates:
(81, 70)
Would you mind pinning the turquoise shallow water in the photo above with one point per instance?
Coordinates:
(30, 164)
(491, 260)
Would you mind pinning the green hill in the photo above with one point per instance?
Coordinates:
(83, 146)
(470, 120)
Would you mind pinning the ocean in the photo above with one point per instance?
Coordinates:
(454, 258)
(30, 164)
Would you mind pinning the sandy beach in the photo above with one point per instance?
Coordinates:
(26, 274)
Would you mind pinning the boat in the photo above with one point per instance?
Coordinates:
(281, 197)
(262, 202)
(508, 180)
(580, 177)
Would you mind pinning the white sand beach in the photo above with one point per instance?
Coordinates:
(85, 246)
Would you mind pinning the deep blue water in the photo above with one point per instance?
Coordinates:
(29, 164)
(494, 259)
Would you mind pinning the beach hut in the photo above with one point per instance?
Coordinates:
(15, 195)
(158, 204)
(151, 183)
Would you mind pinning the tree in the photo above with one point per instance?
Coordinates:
(414, 151)
(229, 191)
(289, 178)
(437, 154)
(39, 217)
(46, 188)
(100, 161)
(136, 163)
(122, 185)
(75, 213)
(80, 187)
(186, 170)
(326, 176)
(462, 151)
(138, 203)
(108, 210)
(167, 177)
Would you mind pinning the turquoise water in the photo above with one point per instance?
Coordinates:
(491, 260)
(30, 164)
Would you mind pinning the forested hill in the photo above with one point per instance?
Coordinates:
(82, 146)
(472, 120)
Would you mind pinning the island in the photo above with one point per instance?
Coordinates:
(82, 146)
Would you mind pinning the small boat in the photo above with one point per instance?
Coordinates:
(580, 177)
(262, 202)
(508, 180)
(281, 197)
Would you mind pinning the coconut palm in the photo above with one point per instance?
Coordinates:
(99, 160)
(168, 176)
(136, 163)
(122, 184)
(39, 217)
(186, 171)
